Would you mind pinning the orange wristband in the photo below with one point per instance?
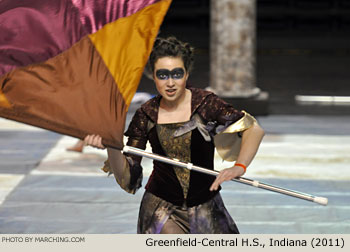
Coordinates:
(243, 166)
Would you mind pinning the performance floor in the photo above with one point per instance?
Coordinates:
(45, 189)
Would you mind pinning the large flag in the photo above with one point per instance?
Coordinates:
(73, 66)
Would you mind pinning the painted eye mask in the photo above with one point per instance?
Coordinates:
(165, 74)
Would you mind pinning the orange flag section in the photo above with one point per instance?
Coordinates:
(124, 47)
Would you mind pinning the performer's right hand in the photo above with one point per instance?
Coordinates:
(94, 141)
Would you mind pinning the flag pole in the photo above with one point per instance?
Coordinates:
(246, 181)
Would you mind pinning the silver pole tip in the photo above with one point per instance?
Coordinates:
(321, 200)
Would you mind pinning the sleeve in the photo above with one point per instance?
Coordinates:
(131, 179)
(226, 125)
(137, 133)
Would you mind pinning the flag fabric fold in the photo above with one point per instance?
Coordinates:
(73, 66)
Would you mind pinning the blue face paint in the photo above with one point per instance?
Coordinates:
(176, 74)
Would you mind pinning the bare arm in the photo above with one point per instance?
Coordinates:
(251, 139)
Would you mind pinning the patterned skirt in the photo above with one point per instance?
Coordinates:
(210, 217)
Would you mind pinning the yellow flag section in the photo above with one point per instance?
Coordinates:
(3, 101)
(126, 44)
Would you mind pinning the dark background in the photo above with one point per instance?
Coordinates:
(303, 47)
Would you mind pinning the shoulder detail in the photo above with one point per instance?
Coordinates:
(198, 98)
(200, 92)
(151, 107)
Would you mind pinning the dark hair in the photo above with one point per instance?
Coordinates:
(171, 47)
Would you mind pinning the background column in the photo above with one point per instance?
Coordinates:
(233, 50)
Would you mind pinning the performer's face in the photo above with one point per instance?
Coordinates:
(170, 77)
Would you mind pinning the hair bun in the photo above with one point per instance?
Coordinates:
(172, 47)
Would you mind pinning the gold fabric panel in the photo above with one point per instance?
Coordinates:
(131, 38)
(177, 148)
(3, 101)
(228, 142)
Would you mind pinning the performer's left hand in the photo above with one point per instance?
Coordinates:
(225, 175)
